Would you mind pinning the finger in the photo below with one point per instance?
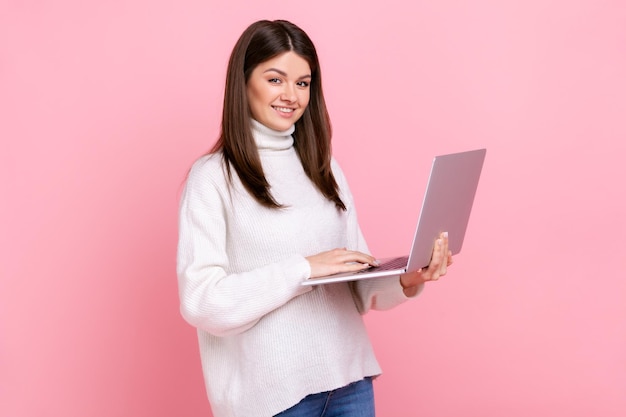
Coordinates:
(353, 266)
(444, 256)
(443, 246)
(438, 264)
(355, 256)
(437, 256)
(443, 269)
(434, 275)
(448, 261)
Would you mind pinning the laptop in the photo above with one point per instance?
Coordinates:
(446, 207)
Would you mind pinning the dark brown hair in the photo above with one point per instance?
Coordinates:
(261, 41)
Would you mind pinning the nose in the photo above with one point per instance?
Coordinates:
(289, 93)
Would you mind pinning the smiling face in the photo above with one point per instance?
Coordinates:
(279, 90)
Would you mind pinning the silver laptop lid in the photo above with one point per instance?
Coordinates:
(447, 204)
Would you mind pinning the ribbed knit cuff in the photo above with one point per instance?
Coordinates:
(297, 271)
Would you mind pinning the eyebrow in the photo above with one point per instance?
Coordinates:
(284, 74)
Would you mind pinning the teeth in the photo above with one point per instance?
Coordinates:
(284, 109)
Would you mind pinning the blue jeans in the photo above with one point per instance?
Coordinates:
(354, 400)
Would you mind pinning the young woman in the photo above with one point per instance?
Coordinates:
(265, 210)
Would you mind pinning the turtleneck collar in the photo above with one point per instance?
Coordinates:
(269, 139)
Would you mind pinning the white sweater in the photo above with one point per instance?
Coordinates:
(266, 341)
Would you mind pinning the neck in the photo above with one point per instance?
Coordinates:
(269, 139)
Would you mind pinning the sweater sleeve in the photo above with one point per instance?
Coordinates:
(378, 293)
(212, 299)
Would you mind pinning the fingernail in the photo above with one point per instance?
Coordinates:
(376, 263)
(439, 242)
(445, 234)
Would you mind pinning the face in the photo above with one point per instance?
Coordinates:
(279, 90)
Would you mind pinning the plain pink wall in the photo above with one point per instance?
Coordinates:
(104, 105)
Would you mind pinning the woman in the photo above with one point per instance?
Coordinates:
(265, 210)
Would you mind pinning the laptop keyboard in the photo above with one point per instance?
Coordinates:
(391, 264)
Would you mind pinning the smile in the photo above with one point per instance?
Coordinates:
(283, 109)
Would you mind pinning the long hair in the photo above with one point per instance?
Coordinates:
(261, 41)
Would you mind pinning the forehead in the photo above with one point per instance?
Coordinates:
(289, 62)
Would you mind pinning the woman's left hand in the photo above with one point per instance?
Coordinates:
(438, 266)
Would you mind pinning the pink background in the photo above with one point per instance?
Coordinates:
(104, 105)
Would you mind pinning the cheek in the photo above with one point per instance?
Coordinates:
(253, 95)
(255, 100)
(305, 98)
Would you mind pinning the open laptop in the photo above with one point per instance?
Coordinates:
(446, 208)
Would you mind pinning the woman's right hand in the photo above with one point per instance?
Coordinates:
(339, 260)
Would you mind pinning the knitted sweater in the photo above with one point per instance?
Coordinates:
(266, 341)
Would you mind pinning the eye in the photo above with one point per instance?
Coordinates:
(303, 84)
(274, 81)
